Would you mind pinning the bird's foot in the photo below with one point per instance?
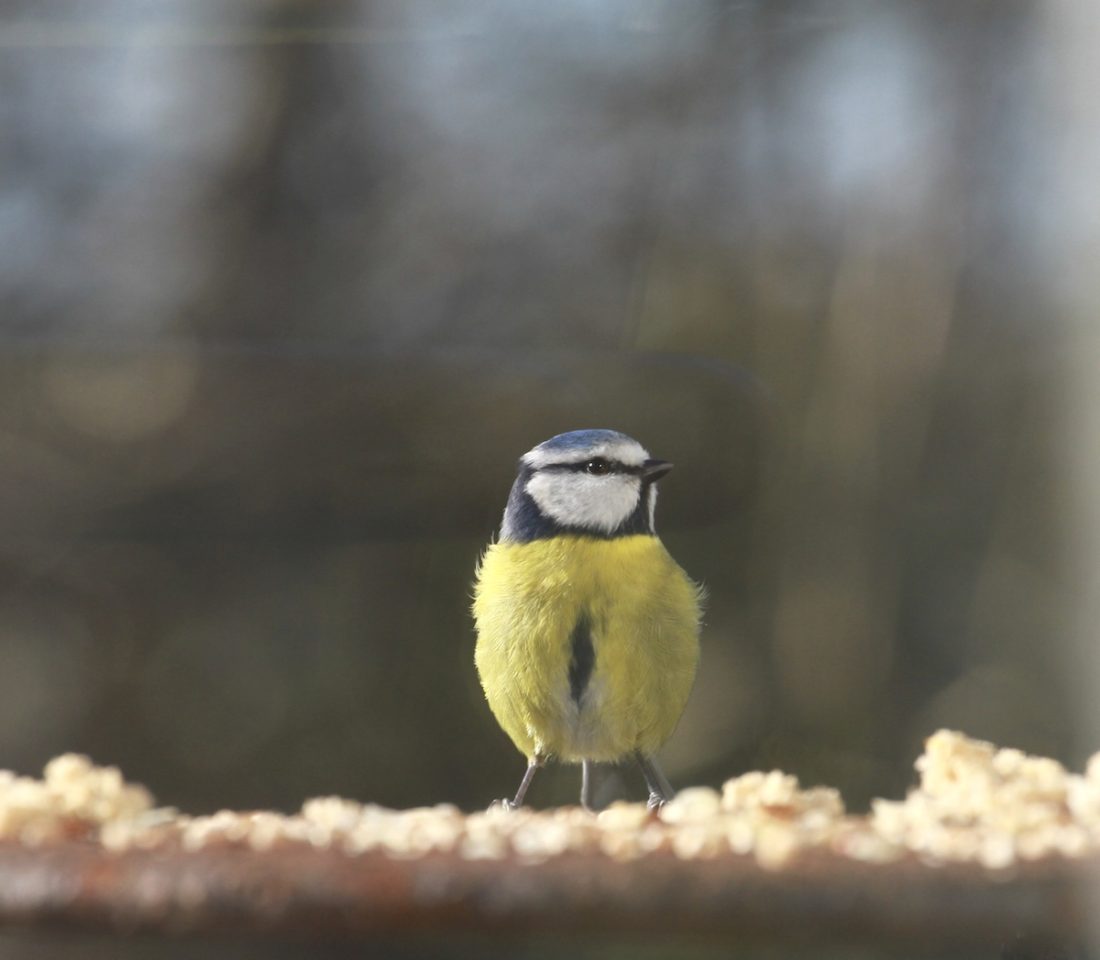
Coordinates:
(656, 801)
(503, 805)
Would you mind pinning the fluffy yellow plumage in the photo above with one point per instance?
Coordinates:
(642, 613)
(588, 631)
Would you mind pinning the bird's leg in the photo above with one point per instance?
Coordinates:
(526, 782)
(660, 790)
(585, 771)
(529, 774)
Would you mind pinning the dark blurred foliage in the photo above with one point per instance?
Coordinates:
(288, 286)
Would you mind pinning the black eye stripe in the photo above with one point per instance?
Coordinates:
(614, 466)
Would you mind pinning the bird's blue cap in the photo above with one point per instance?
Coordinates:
(579, 439)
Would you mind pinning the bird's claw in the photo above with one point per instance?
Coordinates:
(656, 801)
(503, 805)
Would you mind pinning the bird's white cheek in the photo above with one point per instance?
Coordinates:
(580, 500)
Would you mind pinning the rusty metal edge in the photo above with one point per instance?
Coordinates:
(305, 892)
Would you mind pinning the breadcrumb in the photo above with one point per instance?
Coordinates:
(974, 803)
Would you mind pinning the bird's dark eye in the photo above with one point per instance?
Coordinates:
(598, 467)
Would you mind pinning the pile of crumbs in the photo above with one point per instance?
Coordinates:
(997, 807)
(73, 799)
(974, 804)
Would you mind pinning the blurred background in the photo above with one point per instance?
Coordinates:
(288, 286)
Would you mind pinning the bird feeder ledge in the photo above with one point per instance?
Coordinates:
(993, 849)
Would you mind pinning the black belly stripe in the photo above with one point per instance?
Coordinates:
(582, 659)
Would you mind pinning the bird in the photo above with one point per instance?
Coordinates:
(587, 629)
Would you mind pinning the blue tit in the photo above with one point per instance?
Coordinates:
(587, 629)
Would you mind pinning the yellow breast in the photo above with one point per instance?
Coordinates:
(641, 614)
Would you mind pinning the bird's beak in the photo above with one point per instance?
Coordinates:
(655, 469)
